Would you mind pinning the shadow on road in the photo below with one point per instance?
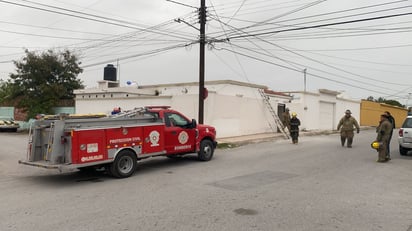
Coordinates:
(53, 178)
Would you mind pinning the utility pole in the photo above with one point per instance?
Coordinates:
(202, 20)
(118, 71)
(202, 42)
(304, 80)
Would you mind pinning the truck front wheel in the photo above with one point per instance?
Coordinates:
(124, 165)
(206, 150)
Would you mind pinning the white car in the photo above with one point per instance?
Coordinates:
(405, 136)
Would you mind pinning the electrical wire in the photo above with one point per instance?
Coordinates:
(247, 35)
(311, 74)
(137, 55)
(95, 18)
(320, 25)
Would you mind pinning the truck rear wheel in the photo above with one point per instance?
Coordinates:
(124, 165)
(206, 150)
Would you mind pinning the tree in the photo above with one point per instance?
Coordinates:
(393, 102)
(42, 80)
(383, 100)
(3, 91)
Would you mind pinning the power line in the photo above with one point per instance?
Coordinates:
(96, 18)
(340, 12)
(330, 66)
(137, 55)
(311, 74)
(53, 28)
(347, 72)
(265, 23)
(319, 26)
(342, 34)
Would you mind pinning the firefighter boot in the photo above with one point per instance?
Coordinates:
(350, 140)
(342, 140)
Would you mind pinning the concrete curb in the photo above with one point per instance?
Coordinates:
(230, 142)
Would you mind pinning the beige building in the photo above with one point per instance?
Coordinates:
(371, 111)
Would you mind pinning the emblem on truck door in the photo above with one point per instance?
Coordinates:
(154, 138)
(124, 131)
(183, 137)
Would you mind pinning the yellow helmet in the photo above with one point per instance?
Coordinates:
(294, 114)
(375, 145)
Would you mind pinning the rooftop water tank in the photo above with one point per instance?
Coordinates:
(110, 73)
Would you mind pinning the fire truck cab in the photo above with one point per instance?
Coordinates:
(118, 141)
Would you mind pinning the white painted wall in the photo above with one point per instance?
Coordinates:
(327, 111)
(106, 105)
(234, 108)
(308, 107)
(236, 116)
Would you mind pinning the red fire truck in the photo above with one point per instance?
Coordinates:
(116, 142)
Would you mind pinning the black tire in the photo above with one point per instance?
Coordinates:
(124, 165)
(206, 150)
(403, 151)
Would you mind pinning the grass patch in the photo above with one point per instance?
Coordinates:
(226, 145)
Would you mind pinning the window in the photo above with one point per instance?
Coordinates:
(173, 119)
(153, 115)
(407, 123)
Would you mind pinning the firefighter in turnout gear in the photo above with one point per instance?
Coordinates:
(392, 121)
(294, 128)
(346, 126)
(286, 119)
(383, 137)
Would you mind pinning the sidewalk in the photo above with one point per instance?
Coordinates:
(255, 138)
(262, 137)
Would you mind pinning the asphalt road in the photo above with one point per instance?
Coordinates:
(315, 185)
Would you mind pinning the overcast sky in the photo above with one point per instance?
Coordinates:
(360, 47)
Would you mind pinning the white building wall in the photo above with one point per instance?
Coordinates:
(230, 88)
(188, 105)
(327, 112)
(106, 105)
(235, 116)
(234, 108)
(308, 107)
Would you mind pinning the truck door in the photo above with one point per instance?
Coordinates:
(179, 136)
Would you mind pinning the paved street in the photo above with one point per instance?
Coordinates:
(315, 185)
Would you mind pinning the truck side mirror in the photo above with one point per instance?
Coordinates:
(193, 124)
